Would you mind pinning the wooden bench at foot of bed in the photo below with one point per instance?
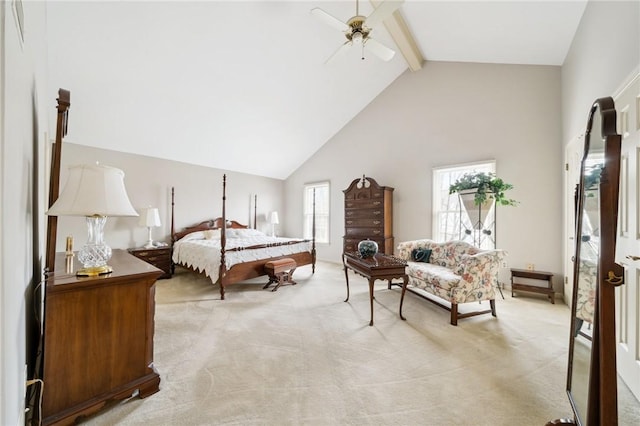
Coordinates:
(280, 271)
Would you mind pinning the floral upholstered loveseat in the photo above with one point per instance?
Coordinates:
(586, 293)
(455, 272)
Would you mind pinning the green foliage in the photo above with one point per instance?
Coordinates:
(487, 186)
(592, 176)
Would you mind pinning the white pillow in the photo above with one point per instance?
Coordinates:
(198, 235)
(231, 233)
(248, 232)
(212, 234)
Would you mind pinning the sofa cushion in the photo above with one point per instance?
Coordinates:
(436, 275)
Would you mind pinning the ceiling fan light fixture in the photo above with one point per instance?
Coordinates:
(358, 28)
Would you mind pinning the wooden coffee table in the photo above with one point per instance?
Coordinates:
(378, 267)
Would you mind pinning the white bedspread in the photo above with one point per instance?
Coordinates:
(204, 255)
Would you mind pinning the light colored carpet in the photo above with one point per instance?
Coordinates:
(301, 356)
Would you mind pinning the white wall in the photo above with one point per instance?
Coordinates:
(450, 113)
(24, 102)
(198, 194)
(604, 53)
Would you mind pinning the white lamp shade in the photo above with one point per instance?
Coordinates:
(93, 190)
(274, 218)
(150, 217)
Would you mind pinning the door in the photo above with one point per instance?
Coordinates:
(572, 157)
(628, 242)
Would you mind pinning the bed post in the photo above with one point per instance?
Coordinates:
(313, 235)
(173, 224)
(255, 209)
(223, 236)
(173, 229)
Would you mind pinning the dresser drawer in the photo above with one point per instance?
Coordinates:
(368, 232)
(364, 204)
(366, 213)
(151, 253)
(364, 222)
(365, 193)
(155, 258)
(351, 244)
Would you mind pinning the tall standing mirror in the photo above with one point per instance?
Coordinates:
(591, 372)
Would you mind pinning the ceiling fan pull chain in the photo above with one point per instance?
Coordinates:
(363, 51)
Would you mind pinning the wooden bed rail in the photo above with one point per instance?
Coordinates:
(268, 245)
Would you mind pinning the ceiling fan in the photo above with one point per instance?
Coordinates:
(358, 28)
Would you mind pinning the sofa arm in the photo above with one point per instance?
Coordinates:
(404, 249)
(481, 269)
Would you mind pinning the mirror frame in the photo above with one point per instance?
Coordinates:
(602, 403)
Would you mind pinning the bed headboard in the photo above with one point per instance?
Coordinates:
(208, 225)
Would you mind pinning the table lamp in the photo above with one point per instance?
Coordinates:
(96, 192)
(274, 221)
(150, 218)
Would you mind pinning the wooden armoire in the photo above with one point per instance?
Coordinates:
(368, 213)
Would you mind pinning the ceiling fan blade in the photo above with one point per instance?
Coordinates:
(329, 20)
(382, 12)
(341, 50)
(379, 49)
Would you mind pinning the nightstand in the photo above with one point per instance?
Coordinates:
(160, 257)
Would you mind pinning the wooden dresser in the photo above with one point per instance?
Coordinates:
(98, 338)
(368, 213)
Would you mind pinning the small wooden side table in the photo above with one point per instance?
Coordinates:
(378, 267)
(533, 275)
(160, 257)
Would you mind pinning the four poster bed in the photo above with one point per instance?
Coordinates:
(234, 253)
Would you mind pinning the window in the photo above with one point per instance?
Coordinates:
(321, 191)
(448, 222)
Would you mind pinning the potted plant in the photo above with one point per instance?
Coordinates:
(485, 187)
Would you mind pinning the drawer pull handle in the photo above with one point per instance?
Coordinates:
(349, 222)
(377, 213)
(376, 222)
(376, 203)
(376, 232)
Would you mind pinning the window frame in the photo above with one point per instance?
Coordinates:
(449, 174)
(307, 215)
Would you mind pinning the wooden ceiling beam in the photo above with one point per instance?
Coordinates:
(399, 31)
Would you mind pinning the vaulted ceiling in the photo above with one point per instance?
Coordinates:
(243, 85)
